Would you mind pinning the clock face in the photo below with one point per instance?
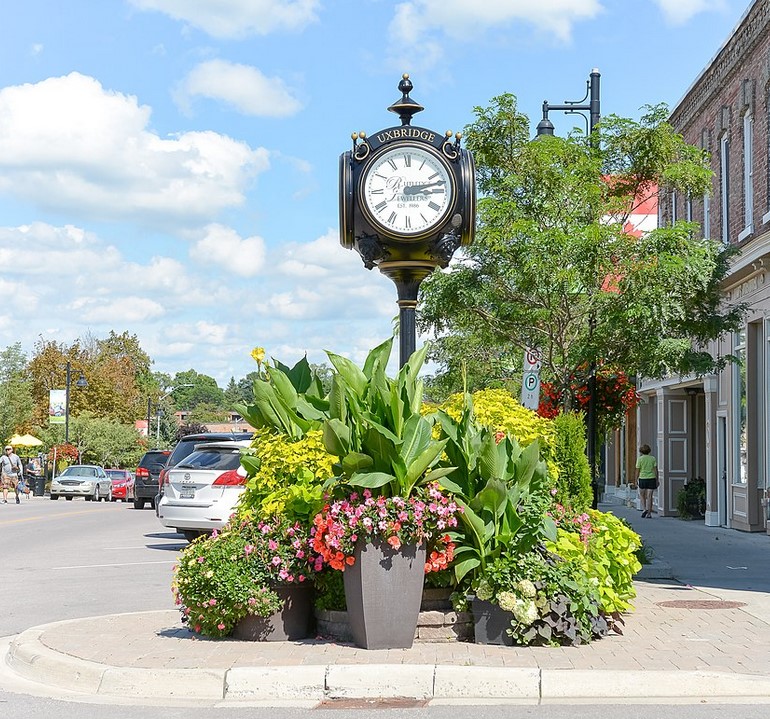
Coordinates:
(407, 190)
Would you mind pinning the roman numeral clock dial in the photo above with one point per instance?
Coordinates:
(407, 191)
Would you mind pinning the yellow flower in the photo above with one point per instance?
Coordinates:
(258, 353)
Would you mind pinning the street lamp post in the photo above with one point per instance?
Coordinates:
(81, 382)
(545, 127)
(159, 411)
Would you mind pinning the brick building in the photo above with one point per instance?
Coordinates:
(718, 427)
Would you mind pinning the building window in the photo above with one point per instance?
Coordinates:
(748, 176)
(706, 216)
(724, 186)
(688, 208)
(740, 438)
(674, 218)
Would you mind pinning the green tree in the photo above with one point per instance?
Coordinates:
(116, 370)
(16, 402)
(554, 267)
(202, 389)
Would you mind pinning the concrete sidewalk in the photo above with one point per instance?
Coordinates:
(692, 643)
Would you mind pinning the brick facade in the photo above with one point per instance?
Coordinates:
(718, 427)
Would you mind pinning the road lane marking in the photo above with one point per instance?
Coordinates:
(142, 546)
(123, 564)
(46, 516)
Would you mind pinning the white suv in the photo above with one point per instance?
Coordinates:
(201, 492)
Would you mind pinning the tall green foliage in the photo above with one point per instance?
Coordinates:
(573, 488)
(553, 266)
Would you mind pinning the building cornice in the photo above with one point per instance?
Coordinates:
(751, 29)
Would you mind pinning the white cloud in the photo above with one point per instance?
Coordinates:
(68, 144)
(678, 12)
(224, 247)
(418, 25)
(237, 18)
(118, 312)
(243, 87)
(318, 258)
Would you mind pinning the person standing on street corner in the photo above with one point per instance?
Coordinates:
(10, 469)
(646, 478)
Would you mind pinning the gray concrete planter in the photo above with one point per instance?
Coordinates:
(383, 591)
(490, 623)
(292, 622)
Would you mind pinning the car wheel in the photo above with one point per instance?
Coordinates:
(54, 497)
(69, 499)
(190, 534)
(109, 498)
(138, 502)
(95, 498)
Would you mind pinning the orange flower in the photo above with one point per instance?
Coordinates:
(394, 542)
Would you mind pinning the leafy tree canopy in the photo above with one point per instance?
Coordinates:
(555, 267)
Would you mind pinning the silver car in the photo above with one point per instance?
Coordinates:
(82, 480)
(201, 492)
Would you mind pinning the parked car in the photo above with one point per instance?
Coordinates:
(82, 480)
(200, 493)
(147, 476)
(187, 444)
(122, 484)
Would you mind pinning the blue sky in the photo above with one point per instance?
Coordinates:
(169, 167)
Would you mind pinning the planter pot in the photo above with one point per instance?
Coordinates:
(490, 623)
(383, 590)
(293, 621)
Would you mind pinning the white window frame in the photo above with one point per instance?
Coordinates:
(748, 176)
(740, 346)
(706, 216)
(724, 186)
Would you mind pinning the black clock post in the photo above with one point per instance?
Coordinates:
(407, 202)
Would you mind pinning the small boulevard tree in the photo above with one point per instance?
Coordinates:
(557, 266)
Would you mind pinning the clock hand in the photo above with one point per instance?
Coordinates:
(418, 189)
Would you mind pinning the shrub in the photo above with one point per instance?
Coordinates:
(285, 476)
(607, 555)
(222, 578)
(498, 409)
(573, 488)
(691, 499)
(552, 601)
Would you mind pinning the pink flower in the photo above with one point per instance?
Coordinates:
(220, 626)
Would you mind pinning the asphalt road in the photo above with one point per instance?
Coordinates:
(65, 560)
(72, 559)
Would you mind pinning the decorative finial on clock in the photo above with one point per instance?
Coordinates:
(405, 107)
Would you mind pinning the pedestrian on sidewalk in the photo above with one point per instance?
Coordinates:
(10, 470)
(646, 478)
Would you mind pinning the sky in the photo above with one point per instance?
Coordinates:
(169, 168)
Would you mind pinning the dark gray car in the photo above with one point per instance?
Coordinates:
(147, 477)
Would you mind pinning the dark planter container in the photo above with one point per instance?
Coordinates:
(383, 591)
(490, 623)
(293, 621)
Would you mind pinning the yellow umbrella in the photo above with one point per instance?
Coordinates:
(24, 440)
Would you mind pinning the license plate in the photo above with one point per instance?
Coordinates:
(187, 493)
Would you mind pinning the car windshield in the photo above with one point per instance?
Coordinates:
(219, 458)
(79, 472)
(116, 473)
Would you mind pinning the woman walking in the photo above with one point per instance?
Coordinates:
(646, 478)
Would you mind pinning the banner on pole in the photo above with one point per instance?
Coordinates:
(530, 381)
(57, 399)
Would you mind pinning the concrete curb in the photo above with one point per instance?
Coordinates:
(29, 658)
